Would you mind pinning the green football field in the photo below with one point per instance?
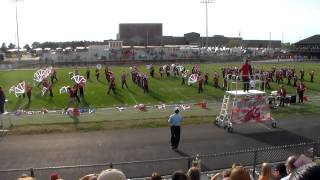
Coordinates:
(166, 90)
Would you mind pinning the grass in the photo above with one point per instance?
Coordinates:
(166, 90)
(104, 120)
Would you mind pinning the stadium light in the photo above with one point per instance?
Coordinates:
(17, 25)
(206, 2)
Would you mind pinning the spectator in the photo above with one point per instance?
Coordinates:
(55, 176)
(89, 177)
(279, 171)
(309, 171)
(290, 167)
(194, 173)
(156, 176)
(25, 177)
(111, 174)
(239, 173)
(265, 172)
(225, 175)
(179, 175)
(235, 165)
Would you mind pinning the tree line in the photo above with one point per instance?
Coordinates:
(52, 45)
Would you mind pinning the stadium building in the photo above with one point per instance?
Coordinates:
(150, 34)
(309, 47)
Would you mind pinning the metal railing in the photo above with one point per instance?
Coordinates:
(250, 158)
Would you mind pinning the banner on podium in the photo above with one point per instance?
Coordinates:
(251, 109)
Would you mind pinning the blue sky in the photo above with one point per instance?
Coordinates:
(67, 20)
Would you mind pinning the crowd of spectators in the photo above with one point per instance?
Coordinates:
(295, 168)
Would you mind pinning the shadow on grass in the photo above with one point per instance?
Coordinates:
(84, 102)
(18, 103)
(27, 106)
(117, 96)
(102, 82)
(132, 92)
(156, 96)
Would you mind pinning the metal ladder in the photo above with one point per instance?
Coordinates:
(223, 116)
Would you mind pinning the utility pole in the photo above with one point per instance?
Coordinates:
(206, 2)
(147, 38)
(269, 40)
(17, 25)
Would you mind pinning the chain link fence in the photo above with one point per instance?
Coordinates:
(251, 158)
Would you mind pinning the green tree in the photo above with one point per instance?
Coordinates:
(232, 43)
(4, 47)
(27, 47)
(35, 45)
(11, 46)
(286, 45)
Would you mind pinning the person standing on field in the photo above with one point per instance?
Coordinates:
(2, 100)
(175, 121)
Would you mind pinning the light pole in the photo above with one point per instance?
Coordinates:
(206, 2)
(17, 25)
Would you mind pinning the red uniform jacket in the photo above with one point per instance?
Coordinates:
(200, 82)
(300, 88)
(245, 70)
(282, 92)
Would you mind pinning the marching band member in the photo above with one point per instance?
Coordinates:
(311, 76)
(124, 80)
(300, 90)
(29, 92)
(97, 74)
(88, 73)
(112, 85)
(200, 83)
(283, 94)
(206, 78)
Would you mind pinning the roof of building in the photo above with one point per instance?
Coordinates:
(262, 43)
(315, 39)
